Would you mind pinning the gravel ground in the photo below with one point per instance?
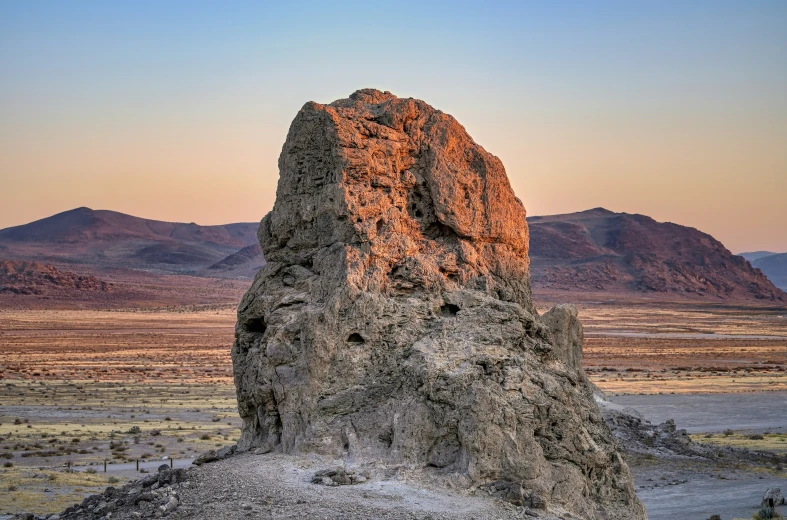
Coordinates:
(274, 486)
(278, 486)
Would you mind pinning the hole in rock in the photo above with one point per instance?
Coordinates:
(256, 325)
(449, 309)
(355, 338)
(379, 226)
(419, 213)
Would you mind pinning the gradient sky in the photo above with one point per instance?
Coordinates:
(178, 110)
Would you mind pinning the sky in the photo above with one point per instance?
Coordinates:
(178, 110)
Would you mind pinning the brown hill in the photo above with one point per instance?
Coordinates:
(109, 239)
(21, 277)
(599, 250)
(587, 252)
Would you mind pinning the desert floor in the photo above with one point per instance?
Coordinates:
(81, 387)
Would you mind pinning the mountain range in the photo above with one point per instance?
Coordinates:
(602, 251)
(774, 265)
(594, 251)
(108, 239)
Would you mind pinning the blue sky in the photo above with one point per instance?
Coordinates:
(178, 110)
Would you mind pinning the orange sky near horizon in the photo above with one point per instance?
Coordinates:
(666, 109)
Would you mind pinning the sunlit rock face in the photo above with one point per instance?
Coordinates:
(394, 324)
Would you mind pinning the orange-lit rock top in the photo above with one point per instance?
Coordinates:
(431, 207)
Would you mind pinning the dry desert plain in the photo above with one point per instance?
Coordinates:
(85, 386)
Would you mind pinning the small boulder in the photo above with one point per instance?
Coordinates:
(171, 504)
(226, 451)
(773, 497)
(205, 458)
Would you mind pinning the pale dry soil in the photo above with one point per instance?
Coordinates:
(82, 387)
(695, 489)
(278, 487)
(685, 349)
(76, 384)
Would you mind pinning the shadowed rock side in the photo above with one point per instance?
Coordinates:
(394, 323)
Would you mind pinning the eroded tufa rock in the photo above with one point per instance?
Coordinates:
(394, 320)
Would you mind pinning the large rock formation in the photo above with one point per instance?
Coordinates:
(394, 322)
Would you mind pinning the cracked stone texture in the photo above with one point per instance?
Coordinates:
(393, 323)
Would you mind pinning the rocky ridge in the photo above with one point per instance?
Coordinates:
(25, 278)
(393, 324)
(602, 251)
(101, 240)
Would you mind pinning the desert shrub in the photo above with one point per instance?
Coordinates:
(134, 430)
(205, 437)
(756, 437)
(92, 471)
(8, 464)
(727, 433)
(113, 480)
(153, 433)
(766, 513)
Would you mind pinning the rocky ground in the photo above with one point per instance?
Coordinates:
(281, 487)
(669, 467)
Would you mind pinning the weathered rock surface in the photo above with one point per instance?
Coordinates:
(394, 321)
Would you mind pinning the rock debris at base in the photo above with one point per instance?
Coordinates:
(276, 486)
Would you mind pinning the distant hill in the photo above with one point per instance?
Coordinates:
(108, 239)
(587, 252)
(241, 264)
(775, 268)
(756, 255)
(24, 278)
(599, 250)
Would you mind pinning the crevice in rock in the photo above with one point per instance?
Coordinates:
(449, 309)
(255, 325)
(356, 338)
